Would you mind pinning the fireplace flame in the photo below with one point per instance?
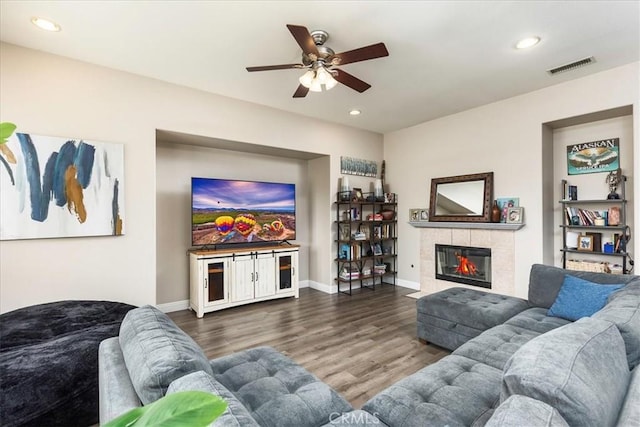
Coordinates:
(465, 266)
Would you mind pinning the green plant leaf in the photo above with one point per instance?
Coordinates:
(128, 418)
(6, 130)
(183, 409)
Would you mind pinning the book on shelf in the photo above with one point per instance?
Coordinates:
(578, 216)
(348, 273)
(569, 192)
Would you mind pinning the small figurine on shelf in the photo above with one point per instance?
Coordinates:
(613, 179)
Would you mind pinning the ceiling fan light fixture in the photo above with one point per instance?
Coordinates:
(318, 79)
(307, 78)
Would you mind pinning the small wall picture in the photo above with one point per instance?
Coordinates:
(585, 243)
(515, 215)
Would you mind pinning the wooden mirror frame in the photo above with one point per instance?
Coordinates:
(487, 177)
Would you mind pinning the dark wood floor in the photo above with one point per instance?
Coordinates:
(357, 344)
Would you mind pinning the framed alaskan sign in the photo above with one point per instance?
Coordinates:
(594, 156)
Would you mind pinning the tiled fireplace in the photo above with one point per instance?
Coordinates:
(464, 264)
(500, 273)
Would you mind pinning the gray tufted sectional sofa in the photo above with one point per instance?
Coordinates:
(530, 369)
(152, 357)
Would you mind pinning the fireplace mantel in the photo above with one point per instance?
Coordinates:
(467, 225)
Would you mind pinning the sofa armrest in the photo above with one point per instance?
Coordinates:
(117, 394)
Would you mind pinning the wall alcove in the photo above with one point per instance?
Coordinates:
(556, 136)
(180, 156)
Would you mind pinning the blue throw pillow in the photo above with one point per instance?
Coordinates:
(580, 298)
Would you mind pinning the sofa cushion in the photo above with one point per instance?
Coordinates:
(630, 414)
(519, 411)
(545, 282)
(580, 298)
(623, 310)
(580, 369)
(456, 391)
(477, 309)
(277, 391)
(236, 415)
(535, 319)
(495, 346)
(156, 352)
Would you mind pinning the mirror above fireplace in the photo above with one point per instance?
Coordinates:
(462, 198)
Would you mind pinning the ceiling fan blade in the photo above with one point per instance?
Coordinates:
(304, 39)
(301, 92)
(275, 67)
(377, 50)
(349, 80)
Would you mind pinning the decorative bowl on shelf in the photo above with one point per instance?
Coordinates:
(387, 215)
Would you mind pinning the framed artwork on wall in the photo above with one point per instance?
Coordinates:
(61, 187)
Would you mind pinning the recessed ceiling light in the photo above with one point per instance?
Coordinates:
(355, 112)
(45, 24)
(528, 42)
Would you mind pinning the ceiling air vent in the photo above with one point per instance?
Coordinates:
(572, 66)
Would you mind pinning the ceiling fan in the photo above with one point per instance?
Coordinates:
(320, 61)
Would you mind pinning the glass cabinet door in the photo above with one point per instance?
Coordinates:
(285, 274)
(216, 272)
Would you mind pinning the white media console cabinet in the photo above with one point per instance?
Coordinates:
(230, 277)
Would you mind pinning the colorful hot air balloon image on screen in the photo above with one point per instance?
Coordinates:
(224, 224)
(226, 211)
(244, 224)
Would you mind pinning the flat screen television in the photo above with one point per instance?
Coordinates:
(225, 211)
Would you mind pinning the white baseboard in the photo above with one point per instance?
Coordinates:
(327, 289)
(173, 306)
(408, 284)
(303, 284)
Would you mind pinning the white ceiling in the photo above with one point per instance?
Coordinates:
(445, 56)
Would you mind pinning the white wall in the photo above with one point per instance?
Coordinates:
(50, 95)
(504, 137)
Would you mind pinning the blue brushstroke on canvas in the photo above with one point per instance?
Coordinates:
(65, 159)
(53, 179)
(84, 163)
(39, 200)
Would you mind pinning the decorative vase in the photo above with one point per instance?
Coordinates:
(495, 212)
(377, 191)
(344, 189)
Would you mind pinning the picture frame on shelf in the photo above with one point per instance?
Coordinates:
(377, 249)
(515, 215)
(356, 195)
(389, 197)
(585, 243)
(424, 214)
(414, 215)
(504, 203)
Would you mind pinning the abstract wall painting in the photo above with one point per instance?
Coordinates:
(60, 187)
